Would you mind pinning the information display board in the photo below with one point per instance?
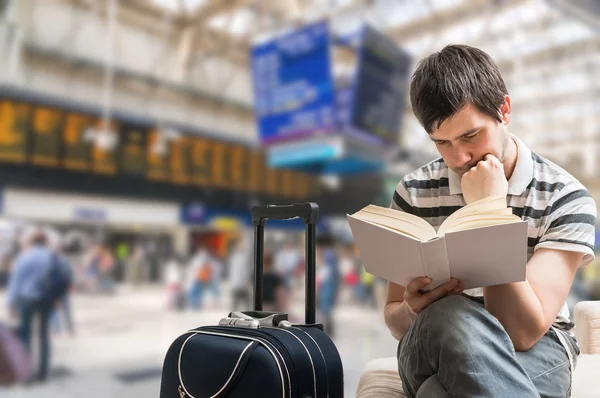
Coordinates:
(293, 84)
(46, 136)
(14, 120)
(77, 142)
(133, 151)
(51, 136)
(381, 86)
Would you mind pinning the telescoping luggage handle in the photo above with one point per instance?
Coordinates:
(309, 213)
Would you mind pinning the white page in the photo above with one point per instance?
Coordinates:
(488, 256)
(437, 266)
(387, 254)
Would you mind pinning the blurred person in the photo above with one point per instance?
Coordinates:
(137, 266)
(275, 292)
(286, 261)
(217, 272)
(40, 279)
(99, 265)
(328, 280)
(509, 340)
(367, 282)
(174, 284)
(201, 272)
(240, 272)
(63, 308)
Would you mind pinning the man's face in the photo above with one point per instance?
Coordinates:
(468, 137)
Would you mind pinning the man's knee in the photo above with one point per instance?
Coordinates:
(450, 310)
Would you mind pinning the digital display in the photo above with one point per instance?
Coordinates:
(157, 156)
(293, 84)
(382, 83)
(302, 186)
(201, 161)
(255, 170)
(49, 136)
(221, 165)
(272, 181)
(46, 136)
(239, 167)
(77, 141)
(287, 183)
(105, 144)
(133, 151)
(14, 121)
(180, 160)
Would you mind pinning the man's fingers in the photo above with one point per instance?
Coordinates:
(418, 284)
(441, 291)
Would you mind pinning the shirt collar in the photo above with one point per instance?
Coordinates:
(520, 179)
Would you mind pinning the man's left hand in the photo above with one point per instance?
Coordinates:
(485, 179)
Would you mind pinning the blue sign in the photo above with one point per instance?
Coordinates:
(90, 214)
(381, 86)
(193, 213)
(293, 85)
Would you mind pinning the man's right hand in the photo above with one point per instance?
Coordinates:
(418, 300)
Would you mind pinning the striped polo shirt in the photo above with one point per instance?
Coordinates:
(559, 210)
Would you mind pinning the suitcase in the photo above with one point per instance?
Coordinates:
(257, 353)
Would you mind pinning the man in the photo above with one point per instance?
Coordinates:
(40, 279)
(511, 340)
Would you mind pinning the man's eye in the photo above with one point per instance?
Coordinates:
(470, 137)
(442, 142)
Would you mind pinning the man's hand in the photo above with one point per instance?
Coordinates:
(485, 179)
(418, 301)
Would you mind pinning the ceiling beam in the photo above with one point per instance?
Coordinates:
(447, 18)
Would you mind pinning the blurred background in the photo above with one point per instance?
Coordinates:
(137, 134)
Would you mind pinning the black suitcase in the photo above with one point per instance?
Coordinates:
(255, 353)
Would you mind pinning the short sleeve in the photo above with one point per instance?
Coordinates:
(570, 223)
(401, 200)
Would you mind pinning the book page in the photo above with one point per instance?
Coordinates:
(418, 232)
(488, 256)
(387, 254)
(398, 215)
(491, 208)
(481, 223)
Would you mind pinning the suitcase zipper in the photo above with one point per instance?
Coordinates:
(312, 364)
(183, 393)
(322, 356)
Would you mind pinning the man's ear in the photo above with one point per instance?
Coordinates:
(505, 110)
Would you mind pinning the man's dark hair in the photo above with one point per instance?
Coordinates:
(38, 238)
(448, 80)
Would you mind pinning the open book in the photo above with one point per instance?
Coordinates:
(481, 244)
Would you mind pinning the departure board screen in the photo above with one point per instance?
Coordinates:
(181, 166)
(77, 141)
(302, 186)
(46, 136)
(221, 165)
(201, 161)
(157, 156)
(105, 145)
(133, 151)
(271, 181)
(255, 170)
(14, 124)
(239, 167)
(287, 182)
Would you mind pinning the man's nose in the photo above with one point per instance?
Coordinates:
(462, 157)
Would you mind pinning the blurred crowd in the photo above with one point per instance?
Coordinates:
(208, 277)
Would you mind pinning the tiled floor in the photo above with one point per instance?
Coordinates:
(121, 342)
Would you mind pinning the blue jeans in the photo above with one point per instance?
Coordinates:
(28, 311)
(456, 348)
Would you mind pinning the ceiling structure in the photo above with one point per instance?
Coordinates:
(550, 59)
